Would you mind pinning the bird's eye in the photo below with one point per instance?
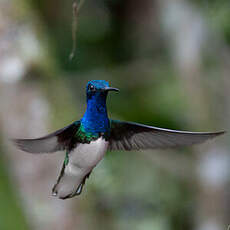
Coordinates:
(91, 88)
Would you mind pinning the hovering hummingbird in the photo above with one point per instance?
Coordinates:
(87, 140)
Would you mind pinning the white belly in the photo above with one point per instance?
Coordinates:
(86, 156)
(81, 162)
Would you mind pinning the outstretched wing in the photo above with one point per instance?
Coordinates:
(58, 140)
(134, 136)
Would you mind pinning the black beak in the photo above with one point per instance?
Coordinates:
(111, 89)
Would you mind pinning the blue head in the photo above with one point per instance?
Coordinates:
(95, 119)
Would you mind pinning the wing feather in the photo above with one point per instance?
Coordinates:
(56, 141)
(134, 136)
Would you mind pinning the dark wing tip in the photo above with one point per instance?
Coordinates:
(20, 144)
(16, 142)
(219, 133)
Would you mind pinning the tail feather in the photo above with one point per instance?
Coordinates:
(68, 186)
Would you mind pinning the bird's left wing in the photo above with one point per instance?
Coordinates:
(53, 142)
(134, 136)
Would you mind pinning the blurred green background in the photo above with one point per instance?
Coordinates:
(171, 61)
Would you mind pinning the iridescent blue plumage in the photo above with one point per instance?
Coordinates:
(95, 119)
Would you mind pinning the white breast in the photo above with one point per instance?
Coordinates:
(86, 156)
(81, 162)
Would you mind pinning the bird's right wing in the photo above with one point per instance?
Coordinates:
(56, 141)
(134, 136)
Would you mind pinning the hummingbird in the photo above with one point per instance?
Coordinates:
(86, 141)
